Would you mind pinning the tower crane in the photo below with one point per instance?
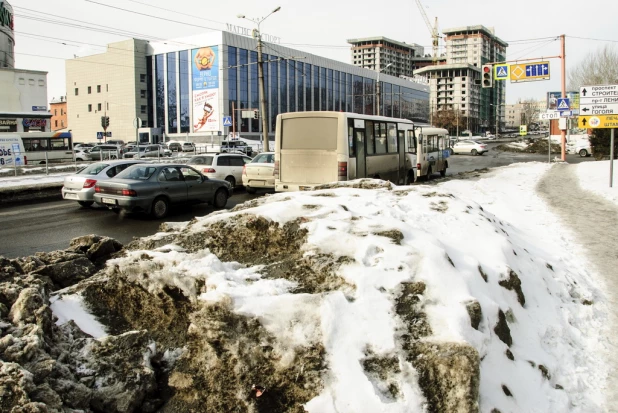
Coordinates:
(432, 30)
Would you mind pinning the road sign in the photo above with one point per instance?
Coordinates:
(529, 72)
(523, 130)
(598, 122)
(99, 135)
(566, 113)
(599, 100)
(598, 92)
(549, 115)
(501, 72)
(562, 104)
(137, 123)
(108, 134)
(227, 121)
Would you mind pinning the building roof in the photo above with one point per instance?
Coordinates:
(385, 39)
(11, 69)
(41, 115)
(477, 28)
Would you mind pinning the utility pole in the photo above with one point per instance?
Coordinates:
(563, 59)
(258, 36)
(376, 110)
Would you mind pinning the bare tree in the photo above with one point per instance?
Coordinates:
(449, 119)
(597, 68)
(529, 112)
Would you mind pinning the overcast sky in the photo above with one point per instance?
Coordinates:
(320, 27)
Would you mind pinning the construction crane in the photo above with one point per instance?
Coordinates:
(435, 37)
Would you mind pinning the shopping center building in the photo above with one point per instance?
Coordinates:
(187, 88)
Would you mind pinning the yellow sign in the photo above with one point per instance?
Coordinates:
(527, 72)
(523, 130)
(598, 122)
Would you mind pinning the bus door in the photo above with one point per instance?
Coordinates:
(361, 164)
(401, 141)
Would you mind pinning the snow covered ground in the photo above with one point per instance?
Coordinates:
(464, 239)
(594, 177)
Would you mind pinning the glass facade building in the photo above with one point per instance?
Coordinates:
(182, 101)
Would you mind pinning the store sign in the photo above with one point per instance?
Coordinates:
(6, 17)
(39, 108)
(243, 31)
(8, 125)
(34, 123)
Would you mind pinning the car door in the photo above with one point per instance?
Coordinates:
(173, 184)
(95, 153)
(236, 165)
(199, 187)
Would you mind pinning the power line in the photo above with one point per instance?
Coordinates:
(589, 38)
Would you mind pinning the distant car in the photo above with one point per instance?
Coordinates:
(175, 146)
(188, 147)
(580, 147)
(118, 142)
(81, 154)
(236, 146)
(166, 149)
(225, 166)
(147, 151)
(260, 172)
(80, 186)
(469, 146)
(83, 146)
(101, 152)
(153, 188)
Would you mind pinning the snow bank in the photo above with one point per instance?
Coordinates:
(594, 177)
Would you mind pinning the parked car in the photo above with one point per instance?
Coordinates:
(226, 166)
(188, 147)
(581, 147)
(147, 151)
(260, 172)
(118, 142)
(101, 152)
(166, 149)
(81, 154)
(175, 146)
(83, 146)
(80, 186)
(153, 188)
(236, 146)
(468, 146)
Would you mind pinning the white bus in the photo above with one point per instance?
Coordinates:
(434, 147)
(53, 146)
(313, 148)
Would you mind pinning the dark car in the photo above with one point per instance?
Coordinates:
(153, 188)
(175, 146)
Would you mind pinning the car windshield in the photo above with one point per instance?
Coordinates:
(93, 169)
(200, 160)
(140, 172)
(264, 158)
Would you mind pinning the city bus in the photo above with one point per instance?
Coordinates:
(313, 148)
(432, 152)
(58, 146)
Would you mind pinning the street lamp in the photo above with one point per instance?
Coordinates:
(377, 102)
(258, 36)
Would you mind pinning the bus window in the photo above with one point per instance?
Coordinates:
(411, 142)
(432, 144)
(369, 137)
(392, 137)
(380, 137)
(351, 142)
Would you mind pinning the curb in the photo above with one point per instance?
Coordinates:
(20, 195)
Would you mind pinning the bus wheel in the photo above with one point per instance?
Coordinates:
(410, 178)
(428, 176)
(443, 173)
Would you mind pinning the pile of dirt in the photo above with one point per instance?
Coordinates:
(536, 146)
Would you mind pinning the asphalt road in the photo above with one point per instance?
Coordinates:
(49, 226)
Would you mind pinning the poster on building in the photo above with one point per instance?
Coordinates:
(552, 100)
(205, 65)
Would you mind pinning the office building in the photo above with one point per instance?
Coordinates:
(23, 101)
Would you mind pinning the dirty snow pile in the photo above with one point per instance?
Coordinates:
(365, 297)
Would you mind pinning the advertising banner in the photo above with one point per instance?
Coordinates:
(552, 100)
(205, 82)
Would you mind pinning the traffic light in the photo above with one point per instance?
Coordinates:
(256, 114)
(103, 121)
(487, 76)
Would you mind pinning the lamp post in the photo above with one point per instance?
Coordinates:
(378, 91)
(496, 115)
(258, 36)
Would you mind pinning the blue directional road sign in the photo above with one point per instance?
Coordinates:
(529, 71)
(563, 104)
(99, 135)
(227, 121)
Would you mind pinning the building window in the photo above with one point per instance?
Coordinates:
(160, 91)
(172, 107)
(61, 111)
(98, 88)
(41, 82)
(107, 88)
(76, 91)
(143, 109)
(183, 72)
(56, 123)
(99, 107)
(55, 112)
(62, 123)
(232, 78)
(89, 90)
(89, 108)
(142, 94)
(142, 78)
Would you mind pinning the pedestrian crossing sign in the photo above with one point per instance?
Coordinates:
(501, 71)
(562, 104)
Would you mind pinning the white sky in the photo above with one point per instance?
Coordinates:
(320, 27)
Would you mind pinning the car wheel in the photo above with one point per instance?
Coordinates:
(250, 190)
(583, 153)
(160, 208)
(85, 204)
(474, 152)
(220, 200)
(231, 180)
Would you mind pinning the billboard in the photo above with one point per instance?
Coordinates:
(552, 100)
(205, 82)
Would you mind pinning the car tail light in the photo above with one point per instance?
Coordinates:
(244, 169)
(342, 169)
(25, 160)
(128, 192)
(209, 170)
(90, 183)
(418, 166)
(276, 170)
(97, 188)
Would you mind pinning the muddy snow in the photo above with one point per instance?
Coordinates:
(465, 296)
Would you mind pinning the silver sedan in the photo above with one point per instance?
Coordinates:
(153, 188)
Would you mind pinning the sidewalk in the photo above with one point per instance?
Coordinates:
(592, 219)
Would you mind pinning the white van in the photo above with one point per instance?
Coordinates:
(12, 151)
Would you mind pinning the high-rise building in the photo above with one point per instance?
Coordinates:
(7, 37)
(456, 85)
(377, 53)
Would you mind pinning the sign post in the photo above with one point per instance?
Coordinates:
(137, 123)
(599, 105)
